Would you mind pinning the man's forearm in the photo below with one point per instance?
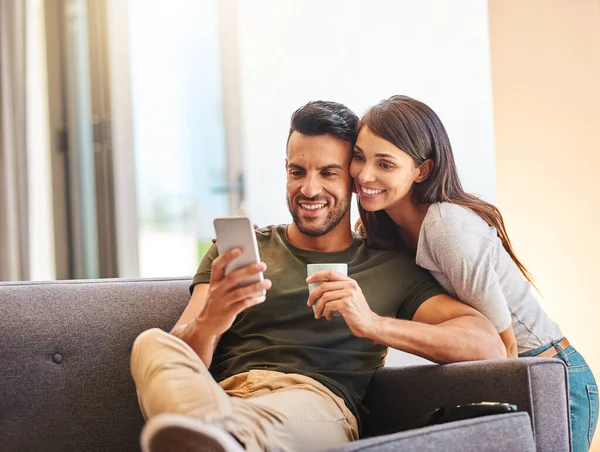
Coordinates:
(467, 338)
(193, 335)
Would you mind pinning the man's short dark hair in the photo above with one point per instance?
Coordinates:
(322, 117)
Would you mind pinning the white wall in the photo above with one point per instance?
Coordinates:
(546, 71)
(358, 53)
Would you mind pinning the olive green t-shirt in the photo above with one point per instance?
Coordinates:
(282, 334)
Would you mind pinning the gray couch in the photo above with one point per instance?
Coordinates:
(65, 383)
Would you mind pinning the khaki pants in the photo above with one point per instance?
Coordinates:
(263, 409)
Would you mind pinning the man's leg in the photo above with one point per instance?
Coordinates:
(268, 410)
(311, 422)
(171, 378)
(304, 414)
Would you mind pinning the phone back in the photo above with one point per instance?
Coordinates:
(233, 232)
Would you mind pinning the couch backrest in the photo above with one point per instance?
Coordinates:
(65, 383)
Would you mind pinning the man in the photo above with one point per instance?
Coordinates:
(290, 379)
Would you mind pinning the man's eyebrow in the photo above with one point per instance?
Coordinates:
(320, 168)
(331, 166)
(295, 166)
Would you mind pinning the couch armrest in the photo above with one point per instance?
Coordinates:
(538, 386)
(501, 433)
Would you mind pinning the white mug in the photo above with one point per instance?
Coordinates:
(313, 268)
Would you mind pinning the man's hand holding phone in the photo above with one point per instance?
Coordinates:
(227, 296)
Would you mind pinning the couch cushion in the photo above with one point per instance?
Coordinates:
(65, 360)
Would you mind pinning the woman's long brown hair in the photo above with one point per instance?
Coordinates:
(414, 128)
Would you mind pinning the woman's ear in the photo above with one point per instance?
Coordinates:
(425, 170)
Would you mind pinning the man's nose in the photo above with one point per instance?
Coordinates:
(311, 187)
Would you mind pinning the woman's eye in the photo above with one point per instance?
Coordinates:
(358, 157)
(386, 165)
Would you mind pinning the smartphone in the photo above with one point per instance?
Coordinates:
(234, 232)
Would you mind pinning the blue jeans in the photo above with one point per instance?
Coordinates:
(583, 394)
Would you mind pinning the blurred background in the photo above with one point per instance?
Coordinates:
(128, 125)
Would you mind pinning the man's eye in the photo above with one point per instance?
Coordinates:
(328, 174)
(296, 173)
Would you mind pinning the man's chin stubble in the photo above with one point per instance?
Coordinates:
(318, 230)
(312, 232)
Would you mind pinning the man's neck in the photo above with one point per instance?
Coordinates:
(339, 239)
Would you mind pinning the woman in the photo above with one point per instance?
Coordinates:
(410, 197)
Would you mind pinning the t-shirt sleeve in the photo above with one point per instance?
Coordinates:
(422, 287)
(466, 257)
(202, 275)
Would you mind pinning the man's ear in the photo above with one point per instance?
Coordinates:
(425, 170)
(286, 165)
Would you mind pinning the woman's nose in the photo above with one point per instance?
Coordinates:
(365, 175)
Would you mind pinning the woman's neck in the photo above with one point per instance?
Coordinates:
(409, 217)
